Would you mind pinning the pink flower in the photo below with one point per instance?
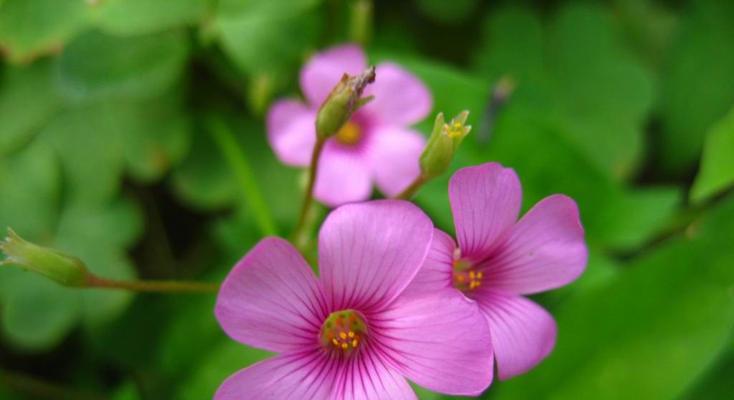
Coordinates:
(499, 259)
(377, 144)
(350, 334)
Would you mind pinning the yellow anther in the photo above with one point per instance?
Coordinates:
(349, 134)
(472, 275)
(342, 335)
(350, 334)
(354, 343)
(336, 342)
(480, 275)
(344, 346)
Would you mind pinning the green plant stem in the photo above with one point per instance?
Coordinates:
(237, 160)
(95, 282)
(308, 195)
(410, 191)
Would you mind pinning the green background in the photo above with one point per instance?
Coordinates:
(132, 135)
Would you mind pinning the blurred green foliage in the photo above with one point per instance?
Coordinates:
(108, 152)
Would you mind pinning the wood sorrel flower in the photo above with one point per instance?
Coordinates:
(351, 333)
(499, 259)
(376, 144)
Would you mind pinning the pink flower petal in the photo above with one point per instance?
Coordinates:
(485, 201)
(545, 249)
(523, 333)
(435, 274)
(440, 342)
(369, 252)
(307, 375)
(343, 177)
(271, 299)
(292, 132)
(394, 155)
(401, 99)
(369, 377)
(325, 69)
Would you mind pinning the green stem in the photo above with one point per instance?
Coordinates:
(95, 282)
(308, 195)
(410, 191)
(240, 166)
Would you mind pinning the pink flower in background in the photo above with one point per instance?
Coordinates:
(377, 144)
(351, 334)
(499, 259)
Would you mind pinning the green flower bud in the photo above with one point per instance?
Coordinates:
(61, 268)
(442, 145)
(343, 100)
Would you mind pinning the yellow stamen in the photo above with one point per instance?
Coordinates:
(354, 343)
(350, 334)
(342, 335)
(349, 134)
(344, 346)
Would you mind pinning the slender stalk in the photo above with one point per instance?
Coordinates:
(95, 282)
(237, 160)
(410, 191)
(308, 195)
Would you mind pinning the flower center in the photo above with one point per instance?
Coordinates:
(343, 331)
(465, 275)
(349, 134)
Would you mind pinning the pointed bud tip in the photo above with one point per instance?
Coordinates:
(61, 268)
(345, 98)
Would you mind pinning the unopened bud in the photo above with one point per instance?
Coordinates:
(61, 268)
(442, 145)
(344, 99)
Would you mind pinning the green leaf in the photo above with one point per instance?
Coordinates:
(27, 100)
(37, 313)
(581, 75)
(226, 359)
(697, 83)
(31, 188)
(718, 383)
(158, 136)
(88, 140)
(267, 36)
(134, 17)
(31, 28)
(97, 65)
(717, 165)
(652, 330)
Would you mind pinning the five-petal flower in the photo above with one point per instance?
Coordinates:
(376, 145)
(352, 333)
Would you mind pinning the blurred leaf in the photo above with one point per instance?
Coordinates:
(127, 391)
(226, 359)
(89, 142)
(37, 313)
(447, 12)
(203, 179)
(596, 91)
(133, 17)
(27, 100)
(30, 28)
(717, 384)
(717, 166)
(265, 35)
(30, 185)
(158, 136)
(652, 330)
(697, 83)
(97, 65)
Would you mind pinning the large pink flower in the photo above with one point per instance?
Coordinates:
(498, 260)
(352, 334)
(375, 145)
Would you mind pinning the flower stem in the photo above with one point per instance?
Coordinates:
(95, 282)
(237, 160)
(308, 195)
(410, 191)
